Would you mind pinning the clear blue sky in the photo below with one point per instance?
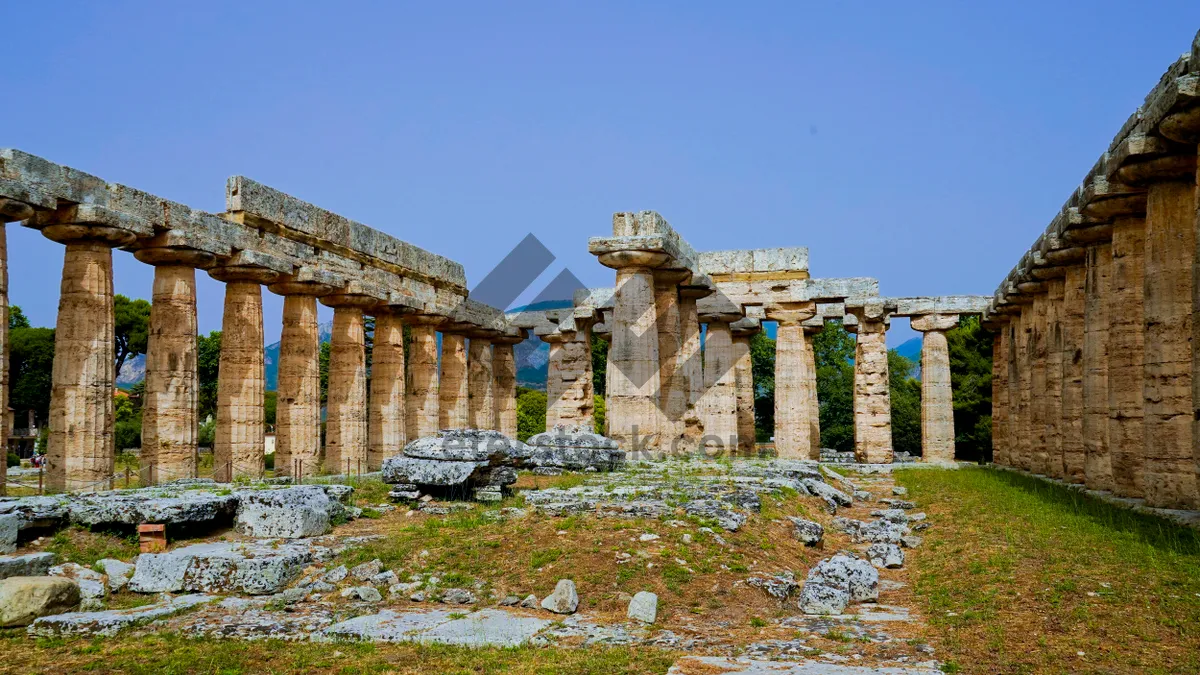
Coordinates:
(925, 144)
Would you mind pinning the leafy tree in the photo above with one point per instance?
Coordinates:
(599, 366)
(127, 427)
(531, 412)
(906, 404)
(131, 328)
(31, 361)
(971, 381)
(598, 413)
(270, 403)
(17, 318)
(762, 368)
(208, 365)
(833, 349)
(323, 366)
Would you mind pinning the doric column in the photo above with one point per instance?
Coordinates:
(1097, 464)
(1126, 346)
(937, 401)
(794, 383)
(504, 369)
(172, 389)
(872, 396)
(814, 426)
(481, 403)
(386, 425)
(1038, 347)
(743, 376)
(719, 402)
(672, 376)
(422, 386)
(239, 445)
(346, 404)
(10, 211)
(691, 365)
(633, 385)
(569, 398)
(80, 452)
(1023, 424)
(1052, 443)
(1169, 470)
(452, 383)
(298, 388)
(1071, 420)
(1000, 423)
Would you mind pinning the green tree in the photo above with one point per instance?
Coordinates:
(598, 413)
(971, 382)
(762, 368)
(531, 412)
(208, 365)
(323, 367)
(906, 404)
(127, 423)
(131, 328)
(833, 349)
(17, 318)
(270, 403)
(31, 361)
(599, 366)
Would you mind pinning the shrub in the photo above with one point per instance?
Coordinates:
(12, 460)
(128, 433)
(531, 413)
(269, 462)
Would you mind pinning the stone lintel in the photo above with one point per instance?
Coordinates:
(945, 304)
(30, 195)
(835, 310)
(598, 298)
(272, 210)
(767, 264)
(871, 308)
(836, 289)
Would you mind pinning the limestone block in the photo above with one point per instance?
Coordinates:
(633, 383)
(169, 412)
(744, 384)
(564, 599)
(719, 401)
(23, 599)
(91, 583)
(386, 433)
(80, 450)
(806, 531)
(27, 565)
(290, 513)
(239, 445)
(421, 411)
(1098, 285)
(257, 568)
(346, 416)
(1126, 345)
(1071, 422)
(118, 572)
(452, 392)
(109, 623)
(298, 406)
(504, 369)
(643, 607)
(185, 507)
(1169, 470)
(575, 449)
(872, 396)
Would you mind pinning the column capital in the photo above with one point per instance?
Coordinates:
(621, 259)
(933, 322)
(349, 301)
(90, 222)
(792, 313)
(434, 320)
(664, 276)
(311, 281)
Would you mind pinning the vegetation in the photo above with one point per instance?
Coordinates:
(208, 361)
(531, 412)
(31, 357)
(971, 376)
(833, 349)
(131, 328)
(599, 366)
(906, 404)
(762, 368)
(1026, 576)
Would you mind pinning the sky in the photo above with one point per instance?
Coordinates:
(923, 144)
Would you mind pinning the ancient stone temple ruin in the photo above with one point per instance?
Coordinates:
(678, 321)
(1095, 341)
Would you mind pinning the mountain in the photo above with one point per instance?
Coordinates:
(911, 350)
(132, 372)
(533, 359)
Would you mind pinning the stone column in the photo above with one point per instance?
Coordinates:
(386, 424)
(793, 384)
(298, 395)
(1038, 346)
(504, 368)
(10, 211)
(719, 402)
(1169, 469)
(1097, 464)
(1053, 465)
(672, 375)
(814, 426)
(872, 395)
(481, 403)
(1126, 346)
(937, 401)
(691, 365)
(239, 443)
(569, 398)
(422, 387)
(452, 387)
(999, 395)
(633, 385)
(80, 451)
(346, 405)
(170, 405)
(1071, 421)
(1023, 425)
(744, 383)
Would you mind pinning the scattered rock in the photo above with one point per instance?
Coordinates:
(367, 570)
(419, 596)
(23, 599)
(779, 586)
(91, 583)
(289, 513)
(384, 578)
(109, 623)
(458, 596)
(863, 496)
(827, 491)
(840, 579)
(885, 555)
(648, 537)
(510, 601)
(336, 575)
(910, 541)
(530, 602)
(822, 599)
(564, 599)
(118, 572)
(807, 531)
(289, 597)
(643, 607)
(28, 565)
(404, 492)
(364, 593)
(899, 491)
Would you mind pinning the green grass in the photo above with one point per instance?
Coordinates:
(79, 545)
(1022, 575)
(169, 654)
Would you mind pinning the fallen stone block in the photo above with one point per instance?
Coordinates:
(110, 622)
(485, 628)
(258, 568)
(846, 571)
(386, 626)
(575, 449)
(807, 531)
(38, 512)
(364, 593)
(152, 505)
(91, 583)
(24, 599)
(779, 586)
(118, 572)
(10, 527)
(288, 513)
(885, 555)
(27, 565)
(564, 599)
(643, 607)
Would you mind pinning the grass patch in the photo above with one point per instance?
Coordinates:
(1023, 575)
(174, 654)
(83, 546)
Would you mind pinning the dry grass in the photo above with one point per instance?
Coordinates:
(1021, 576)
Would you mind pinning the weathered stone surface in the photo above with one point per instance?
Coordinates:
(118, 572)
(718, 403)
(27, 565)
(835, 581)
(422, 387)
(109, 623)
(818, 598)
(238, 445)
(467, 445)
(387, 626)
(793, 398)
(885, 555)
(135, 507)
(1097, 461)
(10, 527)
(386, 432)
(431, 471)
(23, 599)
(91, 583)
(937, 405)
(807, 531)
(452, 384)
(346, 417)
(575, 449)
(779, 586)
(39, 511)
(458, 596)
(872, 396)
(1126, 345)
(481, 404)
(504, 368)
(564, 599)
(298, 406)
(633, 374)
(257, 569)
(643, 607)
(827, 492)
(172, 383)
(363, 593)
(289, 513)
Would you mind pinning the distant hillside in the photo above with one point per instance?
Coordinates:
(911, 350)
(533, 358)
